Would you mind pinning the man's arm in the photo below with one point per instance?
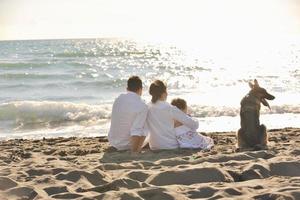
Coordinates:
(137, 131)
(136, 143)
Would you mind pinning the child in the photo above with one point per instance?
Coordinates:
(186, 137)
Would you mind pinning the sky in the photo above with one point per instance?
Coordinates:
(158, 20)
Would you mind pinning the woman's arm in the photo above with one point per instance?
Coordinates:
(184, 118)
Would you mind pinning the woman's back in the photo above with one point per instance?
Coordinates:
(160, 121)
(161, 126)
(161, 116)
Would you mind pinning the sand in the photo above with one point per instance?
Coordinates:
(87, 168)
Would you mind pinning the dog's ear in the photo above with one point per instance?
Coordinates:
(256, 83)
(251, 85)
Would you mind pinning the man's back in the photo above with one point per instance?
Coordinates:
(128, 117)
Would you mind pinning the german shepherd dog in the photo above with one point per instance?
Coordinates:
(252, 134)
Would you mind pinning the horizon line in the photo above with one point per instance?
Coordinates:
(67, 38)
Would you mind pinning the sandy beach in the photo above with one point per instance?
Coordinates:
(73, 73)
(87, 168)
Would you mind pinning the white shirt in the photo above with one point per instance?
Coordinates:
(128, 117)
(188, 138)
(160, 122)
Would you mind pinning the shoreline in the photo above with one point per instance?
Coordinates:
(87, 168)
(93, 132)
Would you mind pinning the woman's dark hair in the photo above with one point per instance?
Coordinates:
(134, 83)
(157, 88)
(179, 103)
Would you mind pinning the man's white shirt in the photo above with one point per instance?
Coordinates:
(128, 118)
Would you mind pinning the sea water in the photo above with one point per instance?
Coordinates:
(51, 88)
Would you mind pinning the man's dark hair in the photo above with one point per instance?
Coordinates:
(134, 83)
(179, 103)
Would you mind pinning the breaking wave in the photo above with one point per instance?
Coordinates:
(211, 111)
(20, 115)
(39, 114)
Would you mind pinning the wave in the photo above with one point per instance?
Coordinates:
(20, 65)
(110, 83)
(60, 81)
(19, 115)
(30, 114)
(16, 76)
(107, 54)
(40, 65)
(211, 111)
(75, 54)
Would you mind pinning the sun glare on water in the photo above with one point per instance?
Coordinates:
(231, 34)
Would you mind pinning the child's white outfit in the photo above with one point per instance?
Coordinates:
(188, 138)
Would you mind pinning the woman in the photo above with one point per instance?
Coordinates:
(161, 117)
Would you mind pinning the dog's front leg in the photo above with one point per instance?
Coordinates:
(241, 139)
(263, 136)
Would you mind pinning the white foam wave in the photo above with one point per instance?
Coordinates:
(36, 119)
(39, 114)
(30, 114)
(212, 111)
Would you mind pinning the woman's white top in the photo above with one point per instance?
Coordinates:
(189, 138)
(160, 122)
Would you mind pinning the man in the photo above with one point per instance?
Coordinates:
(128, 118)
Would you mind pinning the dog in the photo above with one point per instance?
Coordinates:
(252, 134)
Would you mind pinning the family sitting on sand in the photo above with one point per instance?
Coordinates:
(166, 126)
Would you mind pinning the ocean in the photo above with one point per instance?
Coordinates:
(52, 88)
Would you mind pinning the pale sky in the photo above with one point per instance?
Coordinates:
(148, 19)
